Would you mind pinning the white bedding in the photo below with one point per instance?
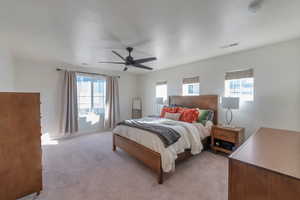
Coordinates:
(191, 136)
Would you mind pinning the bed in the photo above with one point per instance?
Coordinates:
(147, 147)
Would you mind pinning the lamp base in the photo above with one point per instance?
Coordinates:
(228, 121)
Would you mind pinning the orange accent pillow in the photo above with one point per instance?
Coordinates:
(188, 114)
(169, 110)
(180, 109)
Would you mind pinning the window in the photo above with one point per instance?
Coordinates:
(161, 91)
(191, 86)
(240, 84)
(91, 93)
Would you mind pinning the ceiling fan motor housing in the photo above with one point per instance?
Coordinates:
(129, 59)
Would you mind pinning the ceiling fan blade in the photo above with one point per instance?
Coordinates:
(122, 63)
(119, 55)
(142, 66)
(143, 60)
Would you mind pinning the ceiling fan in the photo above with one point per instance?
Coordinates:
(130, 61)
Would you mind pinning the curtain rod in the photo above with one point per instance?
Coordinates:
(91, 73)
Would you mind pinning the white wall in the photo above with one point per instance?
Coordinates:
(277, 92)
(6, 71)
(277, 84)
(33, 76)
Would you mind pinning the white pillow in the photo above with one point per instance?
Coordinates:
(173, 116)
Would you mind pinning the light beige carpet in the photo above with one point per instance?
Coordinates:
(85, 168)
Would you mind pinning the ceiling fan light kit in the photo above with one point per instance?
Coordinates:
(130, 61)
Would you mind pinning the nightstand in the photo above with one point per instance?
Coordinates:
(226, 136)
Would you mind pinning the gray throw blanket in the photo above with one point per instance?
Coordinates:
(167, 135)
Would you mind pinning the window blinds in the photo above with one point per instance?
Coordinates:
(161, 83)
(191, 80)
(239, 74)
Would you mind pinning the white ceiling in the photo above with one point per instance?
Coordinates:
(175, 31)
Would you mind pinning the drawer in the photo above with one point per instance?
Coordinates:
(224, 135)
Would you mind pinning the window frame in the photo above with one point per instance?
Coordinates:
(187, 89)
(190, 81)
(239, 79)
(161, 84)
(92, 81)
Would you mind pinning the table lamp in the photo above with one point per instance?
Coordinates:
(230, 103)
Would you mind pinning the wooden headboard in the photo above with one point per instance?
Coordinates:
(202, 102)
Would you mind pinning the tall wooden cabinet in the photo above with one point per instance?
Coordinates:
(20, 145)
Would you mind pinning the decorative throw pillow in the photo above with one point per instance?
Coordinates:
(169, 110)
(173, 116)
(188, 114)
(205, 115)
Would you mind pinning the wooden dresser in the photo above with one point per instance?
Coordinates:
(266, 167)
(20, 145)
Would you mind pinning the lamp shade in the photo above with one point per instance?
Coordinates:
(230, 102)
(159, 100)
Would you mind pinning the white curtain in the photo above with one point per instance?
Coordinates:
(69, 116)
(112, 111)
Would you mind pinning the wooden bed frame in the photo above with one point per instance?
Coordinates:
(153, 159)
